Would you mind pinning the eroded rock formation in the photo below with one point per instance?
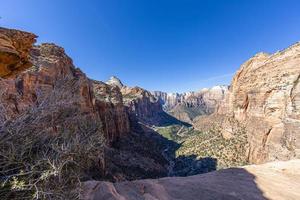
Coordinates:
(14, 51)
(53, 97)
(142, 105)
(50, 65)
(265, 97)
(189, 105)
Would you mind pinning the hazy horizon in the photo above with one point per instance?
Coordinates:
(171, 46)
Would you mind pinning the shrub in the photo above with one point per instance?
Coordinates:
(34, 165)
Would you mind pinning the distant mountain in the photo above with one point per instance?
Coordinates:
(143, 105)
(182, 106)
(187, 106)
(115, 81)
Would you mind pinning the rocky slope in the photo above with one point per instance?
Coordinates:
(274, 181)
(50, 66)
(187, 106)
(53, 79)
(51, 112)
(265, 97)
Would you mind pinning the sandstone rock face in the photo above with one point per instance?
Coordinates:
(108, 102)
(274, 181)
(207, 98)
(14, 51)
(114, 81)
(51, 72)
(141, 104)
(152, 107)
(187, 106)
(53, 98)
(265, 97)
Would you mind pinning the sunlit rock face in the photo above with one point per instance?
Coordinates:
(114, 81)
(14, 51)
(51, 72)
(265, 96)
(187, 106)
(141, 104)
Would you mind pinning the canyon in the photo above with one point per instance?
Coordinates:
(189, 105)
(52, 116)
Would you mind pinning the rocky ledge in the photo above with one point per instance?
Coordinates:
(276, 180)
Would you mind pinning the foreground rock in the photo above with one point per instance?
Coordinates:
(276, 180)
(265, 97)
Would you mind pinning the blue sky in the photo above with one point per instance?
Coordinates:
(168, 45)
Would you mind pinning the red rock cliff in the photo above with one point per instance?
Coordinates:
(52, 72)
(14, 51)
(265, 97)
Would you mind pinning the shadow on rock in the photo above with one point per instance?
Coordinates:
(228, 184)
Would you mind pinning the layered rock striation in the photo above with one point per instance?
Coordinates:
(52, 71)
(142, 105)
(14, 51)
(54, 98)
(265, 97)
(189, 105)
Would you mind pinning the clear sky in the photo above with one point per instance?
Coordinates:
(168, 45)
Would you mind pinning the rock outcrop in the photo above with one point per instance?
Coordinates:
(265, 97)
(277, 181)
(114, 81)
(189, 105)
(14, 51)
(142, 105)
(31, 88)
(54, 98)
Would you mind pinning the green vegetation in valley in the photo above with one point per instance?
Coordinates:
(191, 112)
(176, 132)
(229, 152)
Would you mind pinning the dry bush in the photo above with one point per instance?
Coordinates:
(46, 152)
(38, 166)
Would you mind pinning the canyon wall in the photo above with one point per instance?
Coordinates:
(43, 70)
(265, 97)
(187, 106)
(142, 105)
(52, 98)
(14, 51)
